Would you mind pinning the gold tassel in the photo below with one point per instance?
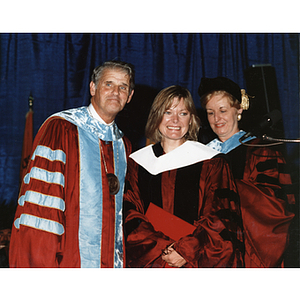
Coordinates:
(245, 100)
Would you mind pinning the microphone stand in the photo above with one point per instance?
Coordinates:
(277, 141)
(268, 138)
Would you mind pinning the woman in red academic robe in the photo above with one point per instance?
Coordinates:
(258, 172)
(197, 220)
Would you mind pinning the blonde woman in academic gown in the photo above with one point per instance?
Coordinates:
(188, 181)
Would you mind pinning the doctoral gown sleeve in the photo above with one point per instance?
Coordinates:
(39, 230)
(264, 207)
(218, 238)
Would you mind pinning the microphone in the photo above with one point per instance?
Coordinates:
(267, 121)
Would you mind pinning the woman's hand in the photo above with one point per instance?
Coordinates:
(172, 258)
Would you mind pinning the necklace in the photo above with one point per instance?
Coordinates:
(113, 181)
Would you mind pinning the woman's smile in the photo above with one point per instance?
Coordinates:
(175, 122)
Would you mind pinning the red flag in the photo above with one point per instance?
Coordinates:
(27, 143)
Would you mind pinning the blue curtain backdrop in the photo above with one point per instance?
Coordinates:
(55, 69)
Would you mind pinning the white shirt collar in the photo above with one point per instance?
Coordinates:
(95, 115)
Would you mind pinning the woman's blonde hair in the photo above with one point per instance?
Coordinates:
(231, 99)
(162, 102)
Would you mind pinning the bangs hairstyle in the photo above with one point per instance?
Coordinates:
(162, 102)
(114, 64)
(232, 100)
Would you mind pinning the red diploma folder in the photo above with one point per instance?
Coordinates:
(167, 223)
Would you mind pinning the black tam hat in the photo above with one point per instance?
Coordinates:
(208, 85)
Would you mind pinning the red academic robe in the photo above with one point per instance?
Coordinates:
(46, 228)
(203, 194)
(261, 179)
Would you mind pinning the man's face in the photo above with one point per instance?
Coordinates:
(111, 94)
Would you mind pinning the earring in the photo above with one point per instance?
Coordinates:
(239, 117)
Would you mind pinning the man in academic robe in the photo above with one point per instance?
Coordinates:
(69, 210)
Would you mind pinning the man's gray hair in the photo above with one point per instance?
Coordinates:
(114, 64)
